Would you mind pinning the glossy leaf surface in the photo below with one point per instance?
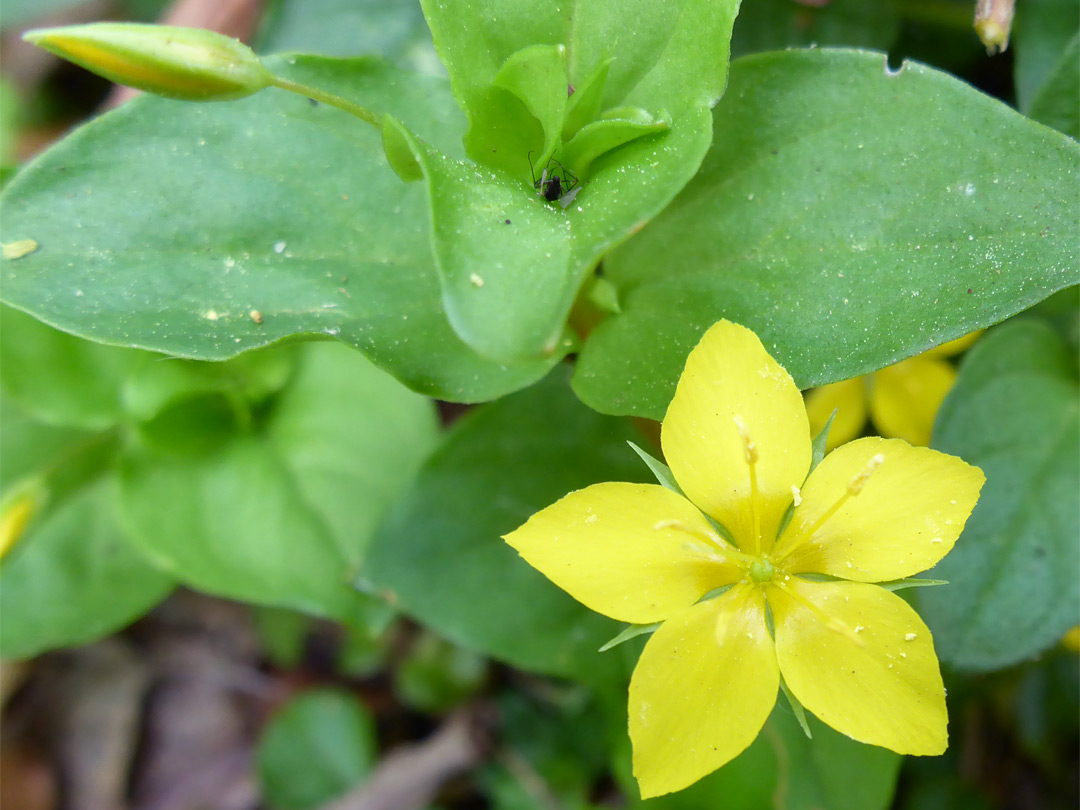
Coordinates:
(852, 216)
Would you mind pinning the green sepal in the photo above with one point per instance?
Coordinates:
(796, 708)
(910, 582)
(659, 469)
(819, 444)
(817, 453)
(631, 631)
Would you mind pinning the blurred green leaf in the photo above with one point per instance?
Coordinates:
(253, 221)
(280, 513)
(436, 675)
(772, 25)
(851, 216)
(1041, 32)
(73, 577)
(1057, 104)
(394, 29)
(1013, 587)
(83, 385)
(316, 747)
(785, 770)
(440, 556)
(282, 634)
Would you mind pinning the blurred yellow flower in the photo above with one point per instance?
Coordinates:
(746, 592)
(902, 400)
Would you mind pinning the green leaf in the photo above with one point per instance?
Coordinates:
(502, 254)
(617, 127)
(280, 514)
(772, 25)
(435, 676)
(1057, 104)
(670, 67)
(83, 386)
(73, 577)
(537, 77)
(1013, 588)
(440, 556)
(839, 197)
(316, 747)
(786, 770)
(1041, 31)
(394, 30)
(207, 230)
(354, 440)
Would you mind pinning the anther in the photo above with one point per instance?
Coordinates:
(856, 484)
(750, 452)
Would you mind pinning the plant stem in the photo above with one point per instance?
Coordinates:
(315, 93)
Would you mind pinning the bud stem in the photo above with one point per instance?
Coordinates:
(362, 113)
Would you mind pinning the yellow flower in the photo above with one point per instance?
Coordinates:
(903, 399)
(794, 595)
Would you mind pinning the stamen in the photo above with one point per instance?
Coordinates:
(723, 549)
(856, 484)
(831, 622)
(854, 487)
(750, 454)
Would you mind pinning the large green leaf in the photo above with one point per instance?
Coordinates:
(280, 513)
(206, 230)
(1013, 587)
(440, 556)
(650, 71)
(851, 215)
(72, 577)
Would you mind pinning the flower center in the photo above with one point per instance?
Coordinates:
(762, 570)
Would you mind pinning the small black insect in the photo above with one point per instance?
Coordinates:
(555, 185)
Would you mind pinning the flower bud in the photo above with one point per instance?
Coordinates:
(993, 22)
(184, 63)
(17, 509)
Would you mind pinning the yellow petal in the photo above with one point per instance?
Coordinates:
(862, 660)
(848, 399)
(905, 518)
(905, 398)
(701, 691)
(634, 552)
(953, 346)
(729, 377)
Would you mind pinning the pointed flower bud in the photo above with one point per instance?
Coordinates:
(17, 509)
(184, 63)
